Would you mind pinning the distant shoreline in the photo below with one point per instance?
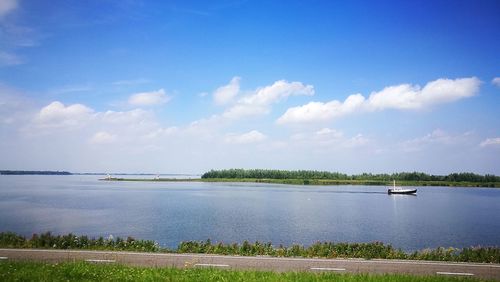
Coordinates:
(52, 172)
(315, 182)
(34, 172)
(295, 178)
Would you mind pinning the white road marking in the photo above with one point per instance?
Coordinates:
(211, 265)
(327, 269)
(455, 273)
(3, 257)
(101, 260)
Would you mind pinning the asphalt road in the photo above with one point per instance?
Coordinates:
(479, 270)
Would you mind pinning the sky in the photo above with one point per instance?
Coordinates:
(188, 86)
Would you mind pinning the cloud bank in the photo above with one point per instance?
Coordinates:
(102, 137)
(329, 138)
(152, 98)
(399, 97)
(490, 142)
(225, 94)
(253, 136)
(496, 81)
(6, 6)
(139, 140)
(56, 114)
(259, 101)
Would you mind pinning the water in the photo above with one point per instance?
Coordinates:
(282, 214)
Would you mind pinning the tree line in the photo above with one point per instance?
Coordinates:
(314, 174)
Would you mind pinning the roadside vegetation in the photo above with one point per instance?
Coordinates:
(70, 241)
(81, 271)
(374, 250)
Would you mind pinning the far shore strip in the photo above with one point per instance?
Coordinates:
(311, 182)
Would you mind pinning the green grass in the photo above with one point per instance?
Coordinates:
(81, 271)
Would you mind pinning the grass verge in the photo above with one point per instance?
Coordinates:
(81, 271)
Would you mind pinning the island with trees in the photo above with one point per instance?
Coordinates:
(314, 177)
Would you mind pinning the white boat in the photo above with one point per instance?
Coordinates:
(398, 190)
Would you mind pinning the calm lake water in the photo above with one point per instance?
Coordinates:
(230, 212)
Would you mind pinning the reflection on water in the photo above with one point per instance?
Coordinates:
(233, 212)
(355, 192)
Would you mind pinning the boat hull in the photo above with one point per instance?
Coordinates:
(402, 191)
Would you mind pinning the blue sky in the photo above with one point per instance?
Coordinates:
(186, 86)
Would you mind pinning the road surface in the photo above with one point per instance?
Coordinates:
(479, 270)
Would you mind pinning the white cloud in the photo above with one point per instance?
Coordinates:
(279, 90)
(253, 136)
(436, 137)
(356, 141)
(496, 81)
(129, 117)
(9, 59)
(225, 94)
(260, 100)
(401, 97)
(318, 111)
(160, 132)
(14, 106)
(240, 111)
(152, 98)
(328, 138)
(324, 136)
(490, 142)
(6, 6)
(439, 91)
(102, 137)
(329, 132)
(56, 114)
(257, 102)
(205, 129)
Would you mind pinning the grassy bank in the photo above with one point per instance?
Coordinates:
(80, 271)
(320, 182)
(374, 250)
